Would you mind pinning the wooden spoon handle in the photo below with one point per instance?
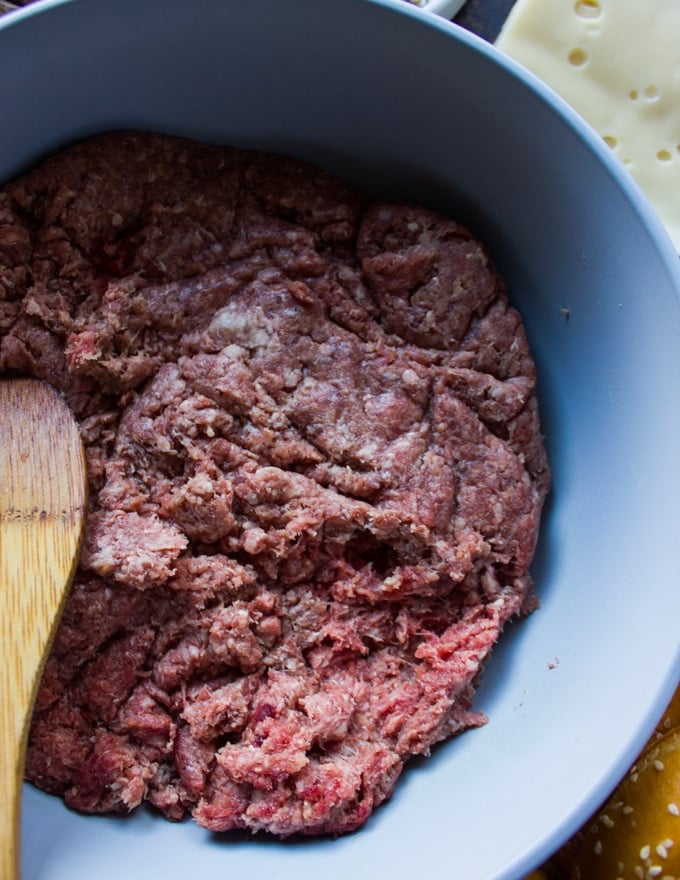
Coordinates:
(42, 495)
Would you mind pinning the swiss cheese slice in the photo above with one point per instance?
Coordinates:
(617, 62)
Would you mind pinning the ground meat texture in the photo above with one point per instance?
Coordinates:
(316, 476)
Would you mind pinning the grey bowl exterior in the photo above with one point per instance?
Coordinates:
(403, 103)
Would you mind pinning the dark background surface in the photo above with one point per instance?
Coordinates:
(484, 17)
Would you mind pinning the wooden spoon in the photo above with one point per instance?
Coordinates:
(42, 511)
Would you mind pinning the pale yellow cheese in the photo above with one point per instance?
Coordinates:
(617, 62)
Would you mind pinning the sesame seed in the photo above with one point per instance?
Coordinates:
(606, 821)
(654, 871)
(645, 852)
(673, 809)
(627, 810)
(598, 848)
(634, 776)
(661, 851)
(668, 843)
(639, 872)
(658, 765)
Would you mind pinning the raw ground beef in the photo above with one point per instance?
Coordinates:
(316, 475)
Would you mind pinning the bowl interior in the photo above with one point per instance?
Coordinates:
(402, 103)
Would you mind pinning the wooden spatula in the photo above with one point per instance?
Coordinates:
(42, 511)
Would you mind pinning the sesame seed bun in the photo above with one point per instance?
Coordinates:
(636, 835)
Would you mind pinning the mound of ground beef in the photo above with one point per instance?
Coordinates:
(316, 475)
